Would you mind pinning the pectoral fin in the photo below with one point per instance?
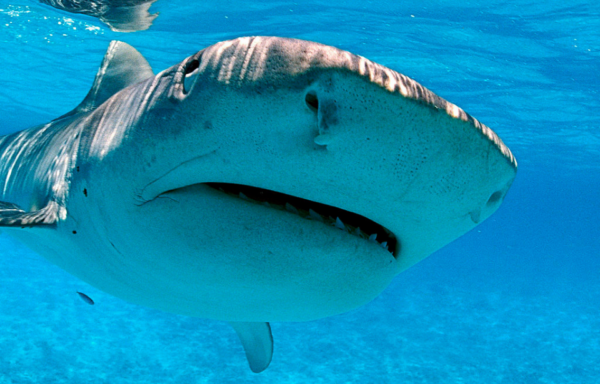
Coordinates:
(258, 343)
(11, 215)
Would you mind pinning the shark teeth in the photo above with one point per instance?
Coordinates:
(339, 224)
(290, 208)
(314, 215)
(340, 219)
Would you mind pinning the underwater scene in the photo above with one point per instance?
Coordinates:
(485, 267)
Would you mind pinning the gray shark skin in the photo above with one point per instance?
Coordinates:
(118, 15)
(261, 179)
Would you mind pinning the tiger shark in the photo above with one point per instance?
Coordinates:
(261, 179)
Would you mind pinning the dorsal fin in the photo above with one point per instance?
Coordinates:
(121, 67)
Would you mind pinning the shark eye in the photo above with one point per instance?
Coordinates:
(191, 73)
(312, 101)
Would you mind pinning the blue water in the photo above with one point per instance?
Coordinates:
(516, 300)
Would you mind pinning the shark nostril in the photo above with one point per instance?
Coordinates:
(190, 73)
(312, 101)
(494, 198)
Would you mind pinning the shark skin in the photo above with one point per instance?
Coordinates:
(261, 179)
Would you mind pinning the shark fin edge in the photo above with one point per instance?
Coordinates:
(121, 67)
(257, 341)
(11, 215)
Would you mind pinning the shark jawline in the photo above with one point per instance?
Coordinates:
(352, 223)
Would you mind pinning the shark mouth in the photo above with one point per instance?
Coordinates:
(343, 220)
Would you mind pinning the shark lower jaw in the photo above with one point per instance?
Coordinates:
(349, 222)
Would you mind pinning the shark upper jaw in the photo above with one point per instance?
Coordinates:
(332, 218)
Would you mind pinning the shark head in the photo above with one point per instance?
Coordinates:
(268, 179)
(271, 179)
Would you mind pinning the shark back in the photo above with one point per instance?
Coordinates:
(36, 164)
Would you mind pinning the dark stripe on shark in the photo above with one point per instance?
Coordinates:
(255, 63)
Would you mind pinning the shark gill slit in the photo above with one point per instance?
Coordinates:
(347, 221)
(191, 72)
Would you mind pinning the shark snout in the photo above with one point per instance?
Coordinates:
(493, 201)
